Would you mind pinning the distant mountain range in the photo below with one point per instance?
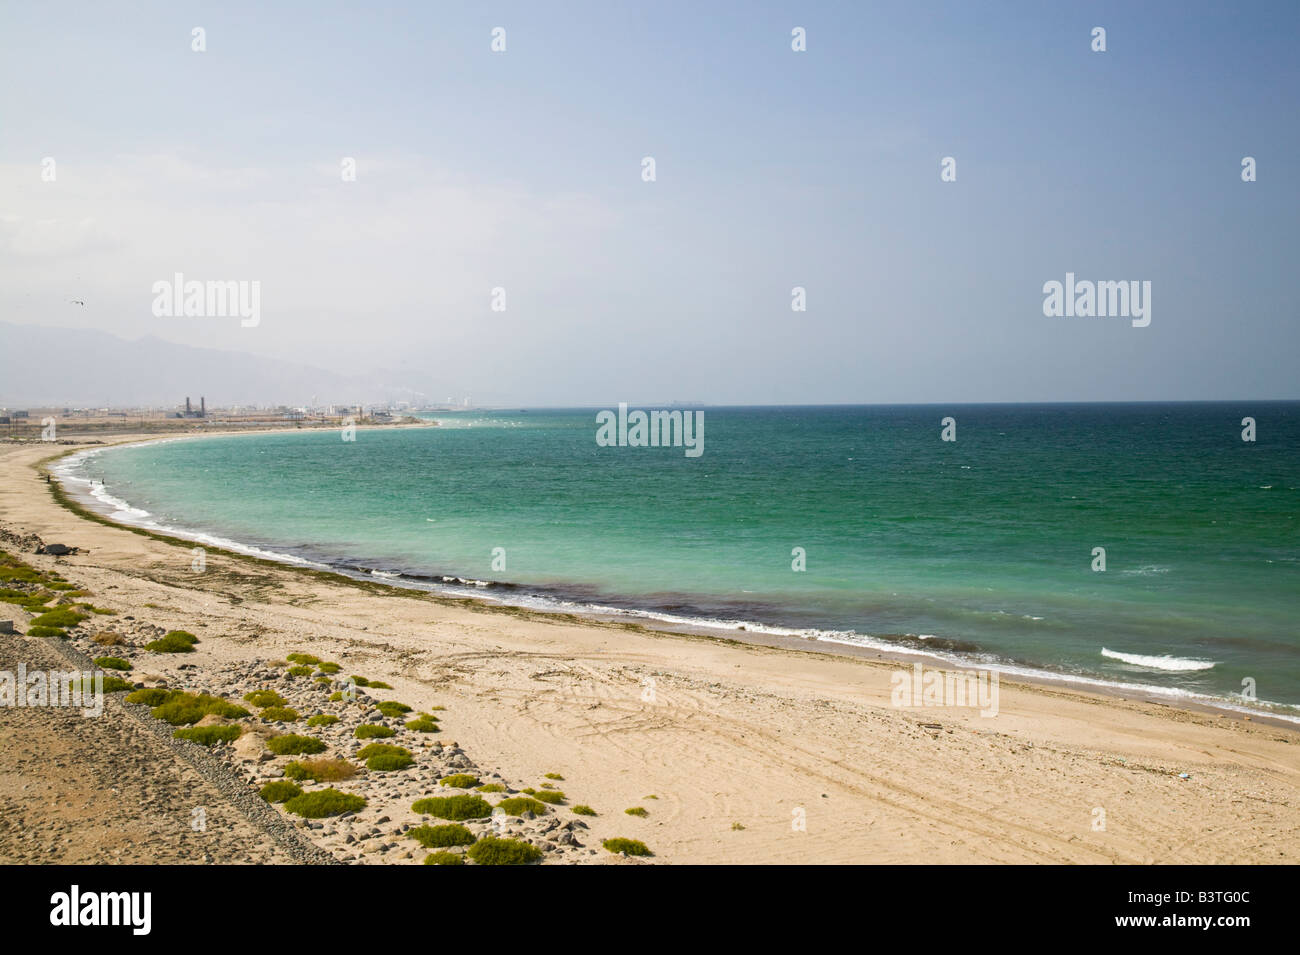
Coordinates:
(48, 367)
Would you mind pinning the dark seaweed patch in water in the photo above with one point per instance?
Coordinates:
(913, 642)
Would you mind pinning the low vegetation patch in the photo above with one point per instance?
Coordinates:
(280, 790)
(454, 808)
(627, 847)
(209, 735)
(280, 714)
(328, 668)
(320, 770)
(423, 725)
(299, 671)
(518, 805)
(149, 697)
(550, 796)
(112, 663)
(392, 709)
(459, 781)
(555, 776)
(374, 731)
(61, 618)
(442, 837)
(180, 708)
(491, 850)
(111, 684)
(324, 802)
(638, 811)
(491, 788)
(45, 632)
(264, 698)
(385, 757)
(291, 744)
(177, 641)
(443, 858)
(303, 658)
(322, 719)
(582, 809)
(107, 638)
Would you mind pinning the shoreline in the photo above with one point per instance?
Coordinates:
(730, 734)
(648, 619)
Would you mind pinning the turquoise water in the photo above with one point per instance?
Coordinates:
(981, 547)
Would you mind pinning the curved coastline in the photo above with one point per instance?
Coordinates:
(506, 595)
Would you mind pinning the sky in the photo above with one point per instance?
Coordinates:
(774, 169)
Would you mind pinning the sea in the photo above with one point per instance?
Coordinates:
(1154, 547)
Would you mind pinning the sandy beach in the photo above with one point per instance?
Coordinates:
(737, 752)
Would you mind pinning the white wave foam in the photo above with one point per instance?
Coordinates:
(1178, 664)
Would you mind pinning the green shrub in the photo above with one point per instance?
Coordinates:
(359, 680)
(264, 698)
(181, 708)
(337, 696)
(443, 858)
(320, 770)
(491, 788)
(491, 850)
(381, 749)
(442, 837)
(61, 617)
(388, 762)
(291, 744)
(552, 797)
(299, 671)
(582, 809)
(329, 668)
(454, 808)
(178, 641)
(374, 731)
(303, 658)
(45, 632)
(111, 684)
(392, 709)
(207, 735)
(518, 805)
(112, 663)
(459, 781)
(556, 776)
(280, 714)
(149, 697)
(379, 685)
(322, 719)
(637, 811)
(323, 680)
(280, 790)
(423, 725)
(324, 802)
(631, 847)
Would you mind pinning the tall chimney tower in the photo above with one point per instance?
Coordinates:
(187, 406)
(203, 407)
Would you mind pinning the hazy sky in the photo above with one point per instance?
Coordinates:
(775, 169)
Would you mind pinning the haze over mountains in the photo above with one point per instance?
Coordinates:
(81, 368)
